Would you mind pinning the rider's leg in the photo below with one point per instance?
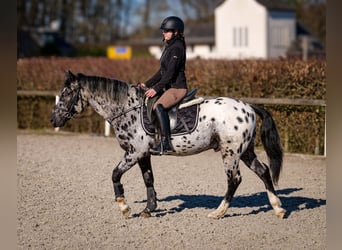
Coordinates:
(164, 124)
(170, 97)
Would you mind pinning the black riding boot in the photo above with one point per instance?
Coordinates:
(164, 146)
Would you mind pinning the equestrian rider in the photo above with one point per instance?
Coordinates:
(169, 80)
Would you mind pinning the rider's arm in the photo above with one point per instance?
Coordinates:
(171, 70)
(154, 79)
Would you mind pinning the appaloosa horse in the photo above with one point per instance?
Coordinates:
(222, 124)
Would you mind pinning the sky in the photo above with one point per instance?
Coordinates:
(157, 18)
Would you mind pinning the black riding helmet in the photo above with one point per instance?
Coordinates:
(173, 23)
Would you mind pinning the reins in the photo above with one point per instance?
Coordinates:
(124, 112)
(110, 120)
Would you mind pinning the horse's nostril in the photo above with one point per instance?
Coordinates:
(53, 121)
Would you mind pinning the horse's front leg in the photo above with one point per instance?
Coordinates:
(120, 169)
(146, 170)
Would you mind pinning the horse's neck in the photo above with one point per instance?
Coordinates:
(104, 107)
(109, 108)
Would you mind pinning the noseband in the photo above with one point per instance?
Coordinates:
(70, 110)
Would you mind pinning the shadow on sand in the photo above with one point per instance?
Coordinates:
(259, 201)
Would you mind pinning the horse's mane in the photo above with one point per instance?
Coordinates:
(110, 88)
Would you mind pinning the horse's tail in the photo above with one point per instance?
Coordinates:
(271, 141)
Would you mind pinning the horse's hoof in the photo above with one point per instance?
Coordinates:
(220, 211)
(145, 214)
(126, 212)
(214, 215)
(281, 214)
(124, 208)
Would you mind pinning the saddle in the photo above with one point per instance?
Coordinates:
(183, 116)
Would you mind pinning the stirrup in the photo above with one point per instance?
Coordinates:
(159, 150)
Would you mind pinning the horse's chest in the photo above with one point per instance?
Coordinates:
(128, 131)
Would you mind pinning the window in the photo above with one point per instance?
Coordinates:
(240, 37)
(280, 37)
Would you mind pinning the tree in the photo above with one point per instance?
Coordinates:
(314, 17)
(199, 10)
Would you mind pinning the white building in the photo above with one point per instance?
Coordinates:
(247, 29)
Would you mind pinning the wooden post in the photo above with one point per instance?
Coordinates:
(286, 139)
(107, 128)
(317, 145)
(56, 101)
(325, 132)
(305, 47)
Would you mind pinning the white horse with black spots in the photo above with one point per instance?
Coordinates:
(223, 124)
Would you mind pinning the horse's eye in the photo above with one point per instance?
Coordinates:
(66, 92)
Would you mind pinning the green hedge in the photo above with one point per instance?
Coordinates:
(301, 127)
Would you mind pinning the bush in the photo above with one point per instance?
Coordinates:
(301, 127)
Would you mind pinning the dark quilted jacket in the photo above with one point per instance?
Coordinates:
(172, 68)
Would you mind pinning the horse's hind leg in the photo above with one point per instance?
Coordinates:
(146, 170)
(262, 170)
(231, 163)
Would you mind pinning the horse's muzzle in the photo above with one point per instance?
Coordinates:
(57, 121)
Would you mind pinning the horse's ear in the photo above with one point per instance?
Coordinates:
(70, 76)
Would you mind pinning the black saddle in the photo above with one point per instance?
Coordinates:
(190, 95)
(182, 119)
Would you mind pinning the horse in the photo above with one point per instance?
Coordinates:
(223, 124)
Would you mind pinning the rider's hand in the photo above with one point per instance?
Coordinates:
(141, 85)
(150, 93)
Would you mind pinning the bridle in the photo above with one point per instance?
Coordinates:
(75, 98)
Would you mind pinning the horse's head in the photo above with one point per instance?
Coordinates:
(70, 102)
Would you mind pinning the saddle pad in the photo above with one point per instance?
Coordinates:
(189, 115)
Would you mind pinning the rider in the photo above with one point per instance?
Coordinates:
(169, 80)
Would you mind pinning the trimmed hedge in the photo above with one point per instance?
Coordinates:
(301, 127)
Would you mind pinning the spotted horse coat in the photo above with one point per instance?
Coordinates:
(224, 124)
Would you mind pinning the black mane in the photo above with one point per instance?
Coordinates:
(111, 88)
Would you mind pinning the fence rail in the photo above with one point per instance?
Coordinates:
(268, 101)
(264, 101)
(36, 93)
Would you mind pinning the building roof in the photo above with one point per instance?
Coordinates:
(276, 5)
(204, 33)
(194, 33)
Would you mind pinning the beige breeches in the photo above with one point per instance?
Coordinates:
(170, 97)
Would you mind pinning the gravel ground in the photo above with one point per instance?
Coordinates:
(66, 201)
